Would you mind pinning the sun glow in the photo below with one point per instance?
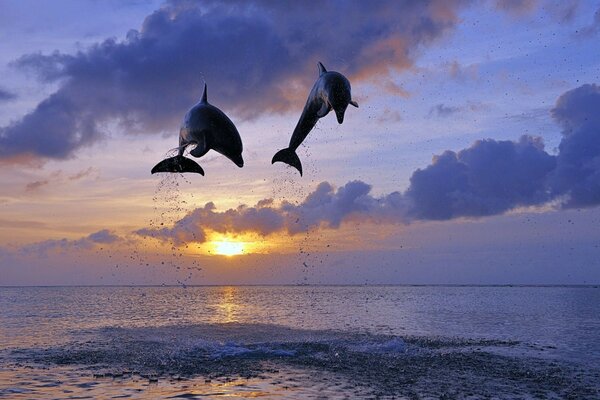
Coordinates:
(228, 248)
(234, 245)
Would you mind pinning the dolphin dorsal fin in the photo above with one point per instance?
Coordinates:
(204, 96)
(322, 69)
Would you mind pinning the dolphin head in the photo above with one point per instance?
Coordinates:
(339, 101)
(339, 95)
(339, 112)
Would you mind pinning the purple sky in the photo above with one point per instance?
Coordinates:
(474, 156)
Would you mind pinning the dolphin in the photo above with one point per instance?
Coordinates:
(206, 127)
(330, 92)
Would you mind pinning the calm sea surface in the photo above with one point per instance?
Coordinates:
(300, 342)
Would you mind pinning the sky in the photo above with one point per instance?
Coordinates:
(473, 158)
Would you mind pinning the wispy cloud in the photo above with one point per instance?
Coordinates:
(36, 185)
(591, 29)
(443, 110)
(516, 7)
(5, 95)
(58, 177)
(462, 73)
(102, 237)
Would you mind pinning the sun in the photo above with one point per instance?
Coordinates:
(228, 248)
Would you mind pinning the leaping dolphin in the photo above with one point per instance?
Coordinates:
(330, 91)
(207, 127)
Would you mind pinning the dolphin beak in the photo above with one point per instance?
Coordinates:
(340, 116)
(239, 161)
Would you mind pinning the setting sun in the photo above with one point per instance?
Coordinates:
(227, 248)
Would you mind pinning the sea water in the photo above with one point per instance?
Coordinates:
(300, 342)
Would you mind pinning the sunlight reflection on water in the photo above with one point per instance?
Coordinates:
(295, 341)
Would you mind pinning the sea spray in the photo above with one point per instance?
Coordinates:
(170, 205)
(311, 251)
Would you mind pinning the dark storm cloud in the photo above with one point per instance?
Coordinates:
(257, 57)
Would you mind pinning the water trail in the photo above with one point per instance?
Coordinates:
(171, 203)
(289, 186)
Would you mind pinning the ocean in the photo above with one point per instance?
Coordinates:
(413, 342)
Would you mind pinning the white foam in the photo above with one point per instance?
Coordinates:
(394, 345)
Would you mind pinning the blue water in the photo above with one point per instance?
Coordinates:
(300, 342)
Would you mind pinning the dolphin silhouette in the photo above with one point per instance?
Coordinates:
(207, 127)
(330, 92)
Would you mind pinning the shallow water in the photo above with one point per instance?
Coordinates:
(300, 342)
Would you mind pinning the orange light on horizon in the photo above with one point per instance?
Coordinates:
(228, 248)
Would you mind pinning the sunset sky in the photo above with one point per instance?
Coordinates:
(474, 156)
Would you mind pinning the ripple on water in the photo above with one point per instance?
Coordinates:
(258, 360)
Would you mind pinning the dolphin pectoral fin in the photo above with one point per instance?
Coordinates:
(199, 151)
(324, 110)
(355, 104)
(178, 164)
(289, 157)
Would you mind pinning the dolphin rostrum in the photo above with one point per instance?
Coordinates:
(330, 92)
(207, 127)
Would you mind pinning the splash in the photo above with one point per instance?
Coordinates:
(171, 203)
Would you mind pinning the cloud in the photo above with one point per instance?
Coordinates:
(491, 177)
(58, 177)
(577, 174)
(82, 174)
(563, 11)
(593, 28)
(6, 95)
(389, 115)
(516, 7)
(488, 178)
(325, 208)
(257, 56)
(35, 185)
(443, 110)
(463, 73)
(102, 237)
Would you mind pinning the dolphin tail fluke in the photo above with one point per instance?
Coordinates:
(289, 157)
(178, 164)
